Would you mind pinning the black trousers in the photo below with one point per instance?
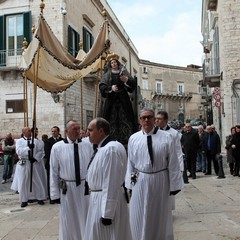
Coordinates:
(191, 163)
(212, 158)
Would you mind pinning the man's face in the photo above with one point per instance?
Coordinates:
(73, 131)
(188, 128)
(209, 129)
(237, 129)
(27, 132)
(55, 132)
(147, 121)
(82, 133)
(160, 121)
(9, 136)
(93, 133)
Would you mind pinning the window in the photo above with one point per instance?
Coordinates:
(145, 70)
(89, 116)
(14, 35)
(159, 87)
(15, 106)
(180, 89)
(145, 84)
(13, 28)
(73, 41)
(87, 40)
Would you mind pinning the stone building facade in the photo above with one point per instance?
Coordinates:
(221, 44)
(173, 89)
(71, 21)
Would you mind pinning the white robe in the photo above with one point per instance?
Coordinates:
(74, 205)
(21, 180)
(150, 205)
(177, 141)
(106, 173)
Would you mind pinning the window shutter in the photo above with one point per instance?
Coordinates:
(92, 40)
(27, 26)
(2, 41)
(70, 47)
(85, 39)
(77, 36)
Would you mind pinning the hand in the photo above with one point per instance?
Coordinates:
(33, 160)
(106, 221)
(174, 192)
(124, 78)
(31, 145)
(233, 146)
(114, 88)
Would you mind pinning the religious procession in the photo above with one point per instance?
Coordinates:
(112, 164)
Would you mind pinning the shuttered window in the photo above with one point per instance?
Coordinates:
(88, 40)
(73, 41)
(13, 28)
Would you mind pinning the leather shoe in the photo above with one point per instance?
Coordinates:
(194, 176)
(24, 204)
(41, 202)
(207, 173)
(186, 182)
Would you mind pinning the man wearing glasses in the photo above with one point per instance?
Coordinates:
(153, 174)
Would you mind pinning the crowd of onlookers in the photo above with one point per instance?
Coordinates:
(202, 148)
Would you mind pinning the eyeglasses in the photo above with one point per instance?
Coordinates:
(146, 117)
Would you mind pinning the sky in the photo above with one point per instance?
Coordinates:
(163, 31)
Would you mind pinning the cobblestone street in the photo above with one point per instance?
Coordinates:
(207, 208)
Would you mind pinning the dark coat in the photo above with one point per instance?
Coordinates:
(190, 142)
(47, 148)
(215, 143)
(111, 98)
(236, 141)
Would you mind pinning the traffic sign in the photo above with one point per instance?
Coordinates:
(218, 104)
(217, 96)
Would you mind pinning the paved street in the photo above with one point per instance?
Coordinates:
(208, 208)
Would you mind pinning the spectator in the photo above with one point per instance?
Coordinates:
(56, 137)
(212, 147)
(8, 147)
(236, 149)
(228, 147)
(190, 143)
(201, 155)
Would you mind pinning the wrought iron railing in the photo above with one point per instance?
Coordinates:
(10, 58)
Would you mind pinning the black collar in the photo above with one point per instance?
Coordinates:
(66, 141)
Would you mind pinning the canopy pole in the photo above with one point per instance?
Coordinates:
(81, 102)
(25, 97)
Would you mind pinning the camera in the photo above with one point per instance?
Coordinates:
(64, 12)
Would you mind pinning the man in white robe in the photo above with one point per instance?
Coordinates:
(162, 122)
(108, 217)
(153, 174)
(21, 180)
(63, 182)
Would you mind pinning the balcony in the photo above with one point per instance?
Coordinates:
(10, 59)
(173, 97)
(211, 72)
